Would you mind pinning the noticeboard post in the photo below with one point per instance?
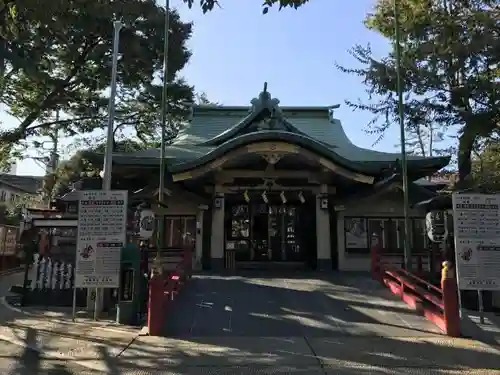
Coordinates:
(102, 220)
(476, 219)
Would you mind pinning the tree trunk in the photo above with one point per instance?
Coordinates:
(465, 147)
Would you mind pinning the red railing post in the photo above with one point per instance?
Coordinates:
(450, 300)
(376, 258)
(156, 312)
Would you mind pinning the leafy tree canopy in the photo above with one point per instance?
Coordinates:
(450, 56)
(78, 166)
(11, 212)
(486, 166)
(56, 55)
(209, 5)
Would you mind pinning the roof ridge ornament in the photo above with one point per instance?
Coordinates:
(265, 101)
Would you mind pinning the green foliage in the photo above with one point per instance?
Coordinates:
(202, 99)
(8, 153)
(13, 209)
(486, 166)
(209, 5)
(56, 55)
(424, 140)
(449, 64)
(79, 166)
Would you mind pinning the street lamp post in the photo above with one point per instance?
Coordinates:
(108, 155)
(164, 120)
(404, 161)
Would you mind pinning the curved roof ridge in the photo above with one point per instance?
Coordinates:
(229, 133)
(264, 102)
(301, 139)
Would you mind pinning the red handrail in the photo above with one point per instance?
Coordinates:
(443, 310)
(420, 280)
(431, 298)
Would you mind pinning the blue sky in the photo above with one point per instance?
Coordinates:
(236, 49)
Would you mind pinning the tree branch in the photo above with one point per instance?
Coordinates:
(22, 129)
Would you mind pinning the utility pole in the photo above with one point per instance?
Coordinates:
(108, 155)
(164, 122)
(404, 161)
(54, 154)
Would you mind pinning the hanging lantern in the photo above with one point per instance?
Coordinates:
(437, 229)
(146, 224)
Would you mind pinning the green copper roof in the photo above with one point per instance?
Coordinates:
(215, 130)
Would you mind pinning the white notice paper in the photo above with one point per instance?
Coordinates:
(102, 222)
(477, 240)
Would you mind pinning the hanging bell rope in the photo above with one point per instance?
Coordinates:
(302, 199)
(264, 197)
(283, 197)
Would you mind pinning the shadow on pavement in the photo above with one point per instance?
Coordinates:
(59, 369)
(289, 305)
(110, 361)
(30, 360)
(278, 324)
(300, 324)
(346, 355)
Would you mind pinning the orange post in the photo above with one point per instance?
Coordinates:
(156, 312)
(450, 300)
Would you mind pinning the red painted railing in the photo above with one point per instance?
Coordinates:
(163, 288)
(438, 305)
(425, 262)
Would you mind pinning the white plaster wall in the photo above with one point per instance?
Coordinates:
(388, 205)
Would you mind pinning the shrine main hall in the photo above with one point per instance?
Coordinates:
(269, 186)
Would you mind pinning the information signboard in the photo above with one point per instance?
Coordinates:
(476, 219)
(102, 222)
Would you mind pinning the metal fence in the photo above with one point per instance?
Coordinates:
(49, 280)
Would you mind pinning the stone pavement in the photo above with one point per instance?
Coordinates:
(254, 304)
(55, 338)
(248, 325)
(488, 331)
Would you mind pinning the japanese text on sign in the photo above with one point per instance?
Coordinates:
(477, 240)
(102, 220)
